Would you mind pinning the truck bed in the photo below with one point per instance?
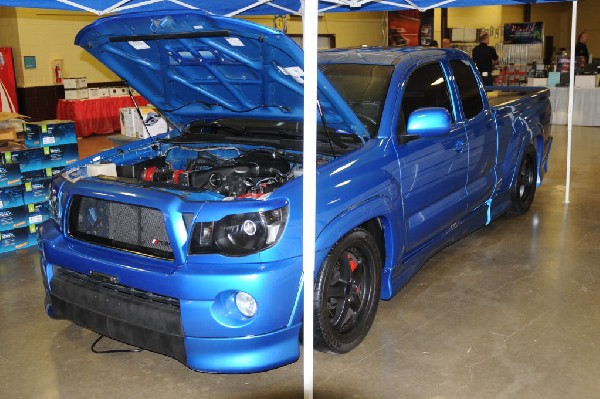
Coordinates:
(501, 96)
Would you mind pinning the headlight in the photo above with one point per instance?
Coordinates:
(55, 203)
(240, 234)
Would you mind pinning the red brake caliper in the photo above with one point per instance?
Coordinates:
(353, 264)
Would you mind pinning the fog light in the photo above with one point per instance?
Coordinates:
(246, 304)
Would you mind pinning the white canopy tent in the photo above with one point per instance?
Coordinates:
(309, 10)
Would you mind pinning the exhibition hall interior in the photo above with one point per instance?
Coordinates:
(159, 180)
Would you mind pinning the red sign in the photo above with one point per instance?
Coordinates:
(8, 87)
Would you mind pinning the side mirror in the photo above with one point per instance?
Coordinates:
(429, 122)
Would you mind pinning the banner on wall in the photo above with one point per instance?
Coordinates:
(410, 28)
(8, 87)
(524, 33)
(403, 28)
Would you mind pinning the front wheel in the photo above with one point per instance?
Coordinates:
(346, 294)
(523, 189)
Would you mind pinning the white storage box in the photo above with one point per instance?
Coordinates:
(75, 83)
(93, 92)
(103, 92)
(117, 91)
(537, 82)
(586, 81)
(132, 126)
(76, 94)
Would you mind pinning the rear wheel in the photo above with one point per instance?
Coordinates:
(523, 189)
(346, 294)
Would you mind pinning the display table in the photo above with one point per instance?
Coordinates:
(95, 116)
(586, 106)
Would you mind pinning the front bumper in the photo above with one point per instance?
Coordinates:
(184, 314)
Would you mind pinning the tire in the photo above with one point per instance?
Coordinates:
(523, 189)
(347, 291)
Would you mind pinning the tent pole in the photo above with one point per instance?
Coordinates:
(570, 106)
(309, 192)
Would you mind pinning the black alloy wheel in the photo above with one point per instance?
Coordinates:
(347, 291)
(523, 189)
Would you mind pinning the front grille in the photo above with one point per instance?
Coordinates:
(117, 225)
(92, 283)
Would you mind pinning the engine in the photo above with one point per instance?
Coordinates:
(251, 174)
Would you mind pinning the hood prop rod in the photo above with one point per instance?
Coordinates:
(139, 112)
(324, 122)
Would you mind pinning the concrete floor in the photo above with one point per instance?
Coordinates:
(512, 311)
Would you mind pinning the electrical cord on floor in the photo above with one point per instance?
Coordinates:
(93, 348)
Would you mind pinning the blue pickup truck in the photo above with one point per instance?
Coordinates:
(189, 243)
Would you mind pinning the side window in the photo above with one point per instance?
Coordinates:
(426, 87)
(468, 89)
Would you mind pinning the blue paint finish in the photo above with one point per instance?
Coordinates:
(427, 184)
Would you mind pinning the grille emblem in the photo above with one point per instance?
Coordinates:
(156, 241)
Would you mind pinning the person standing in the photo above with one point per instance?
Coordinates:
(485, 57)
(581, 49)
(446, 43)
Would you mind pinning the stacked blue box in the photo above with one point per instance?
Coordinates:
(10, 175)
(36, 190)
(25, 181)
(49, 133)
(11, 197)
(28, 159)
(37, 213)
(41, 173)
(59, 156)
(13, 218)
(20, 238)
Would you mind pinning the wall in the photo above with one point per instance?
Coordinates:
(9, 33)
(556, 18)
(48, 35)
(350, 29)
(588, 12)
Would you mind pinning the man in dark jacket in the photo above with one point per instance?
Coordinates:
(485, 57)
(581, 50)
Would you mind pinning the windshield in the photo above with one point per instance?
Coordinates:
(275, 133)
(364, 87)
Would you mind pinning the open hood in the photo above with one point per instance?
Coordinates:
(193, 66)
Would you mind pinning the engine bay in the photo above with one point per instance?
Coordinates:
(228, 171)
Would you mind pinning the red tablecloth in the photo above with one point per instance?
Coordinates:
(98, 115)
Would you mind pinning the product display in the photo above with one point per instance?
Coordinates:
(25, 180)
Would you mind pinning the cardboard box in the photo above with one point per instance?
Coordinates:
(28, 159)
(59, 156)
(541, 82)
(11, 120)
(117, 91)
(132, 125)
(93, 92)
(10, 175)
(586, 81)
(98, 92)
(75, 83)
(36, 190)
(8, 133)
(11, 197)
(12, 218)
(76, 94)
(49, 132)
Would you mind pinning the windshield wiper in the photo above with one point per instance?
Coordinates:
(213, 128)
